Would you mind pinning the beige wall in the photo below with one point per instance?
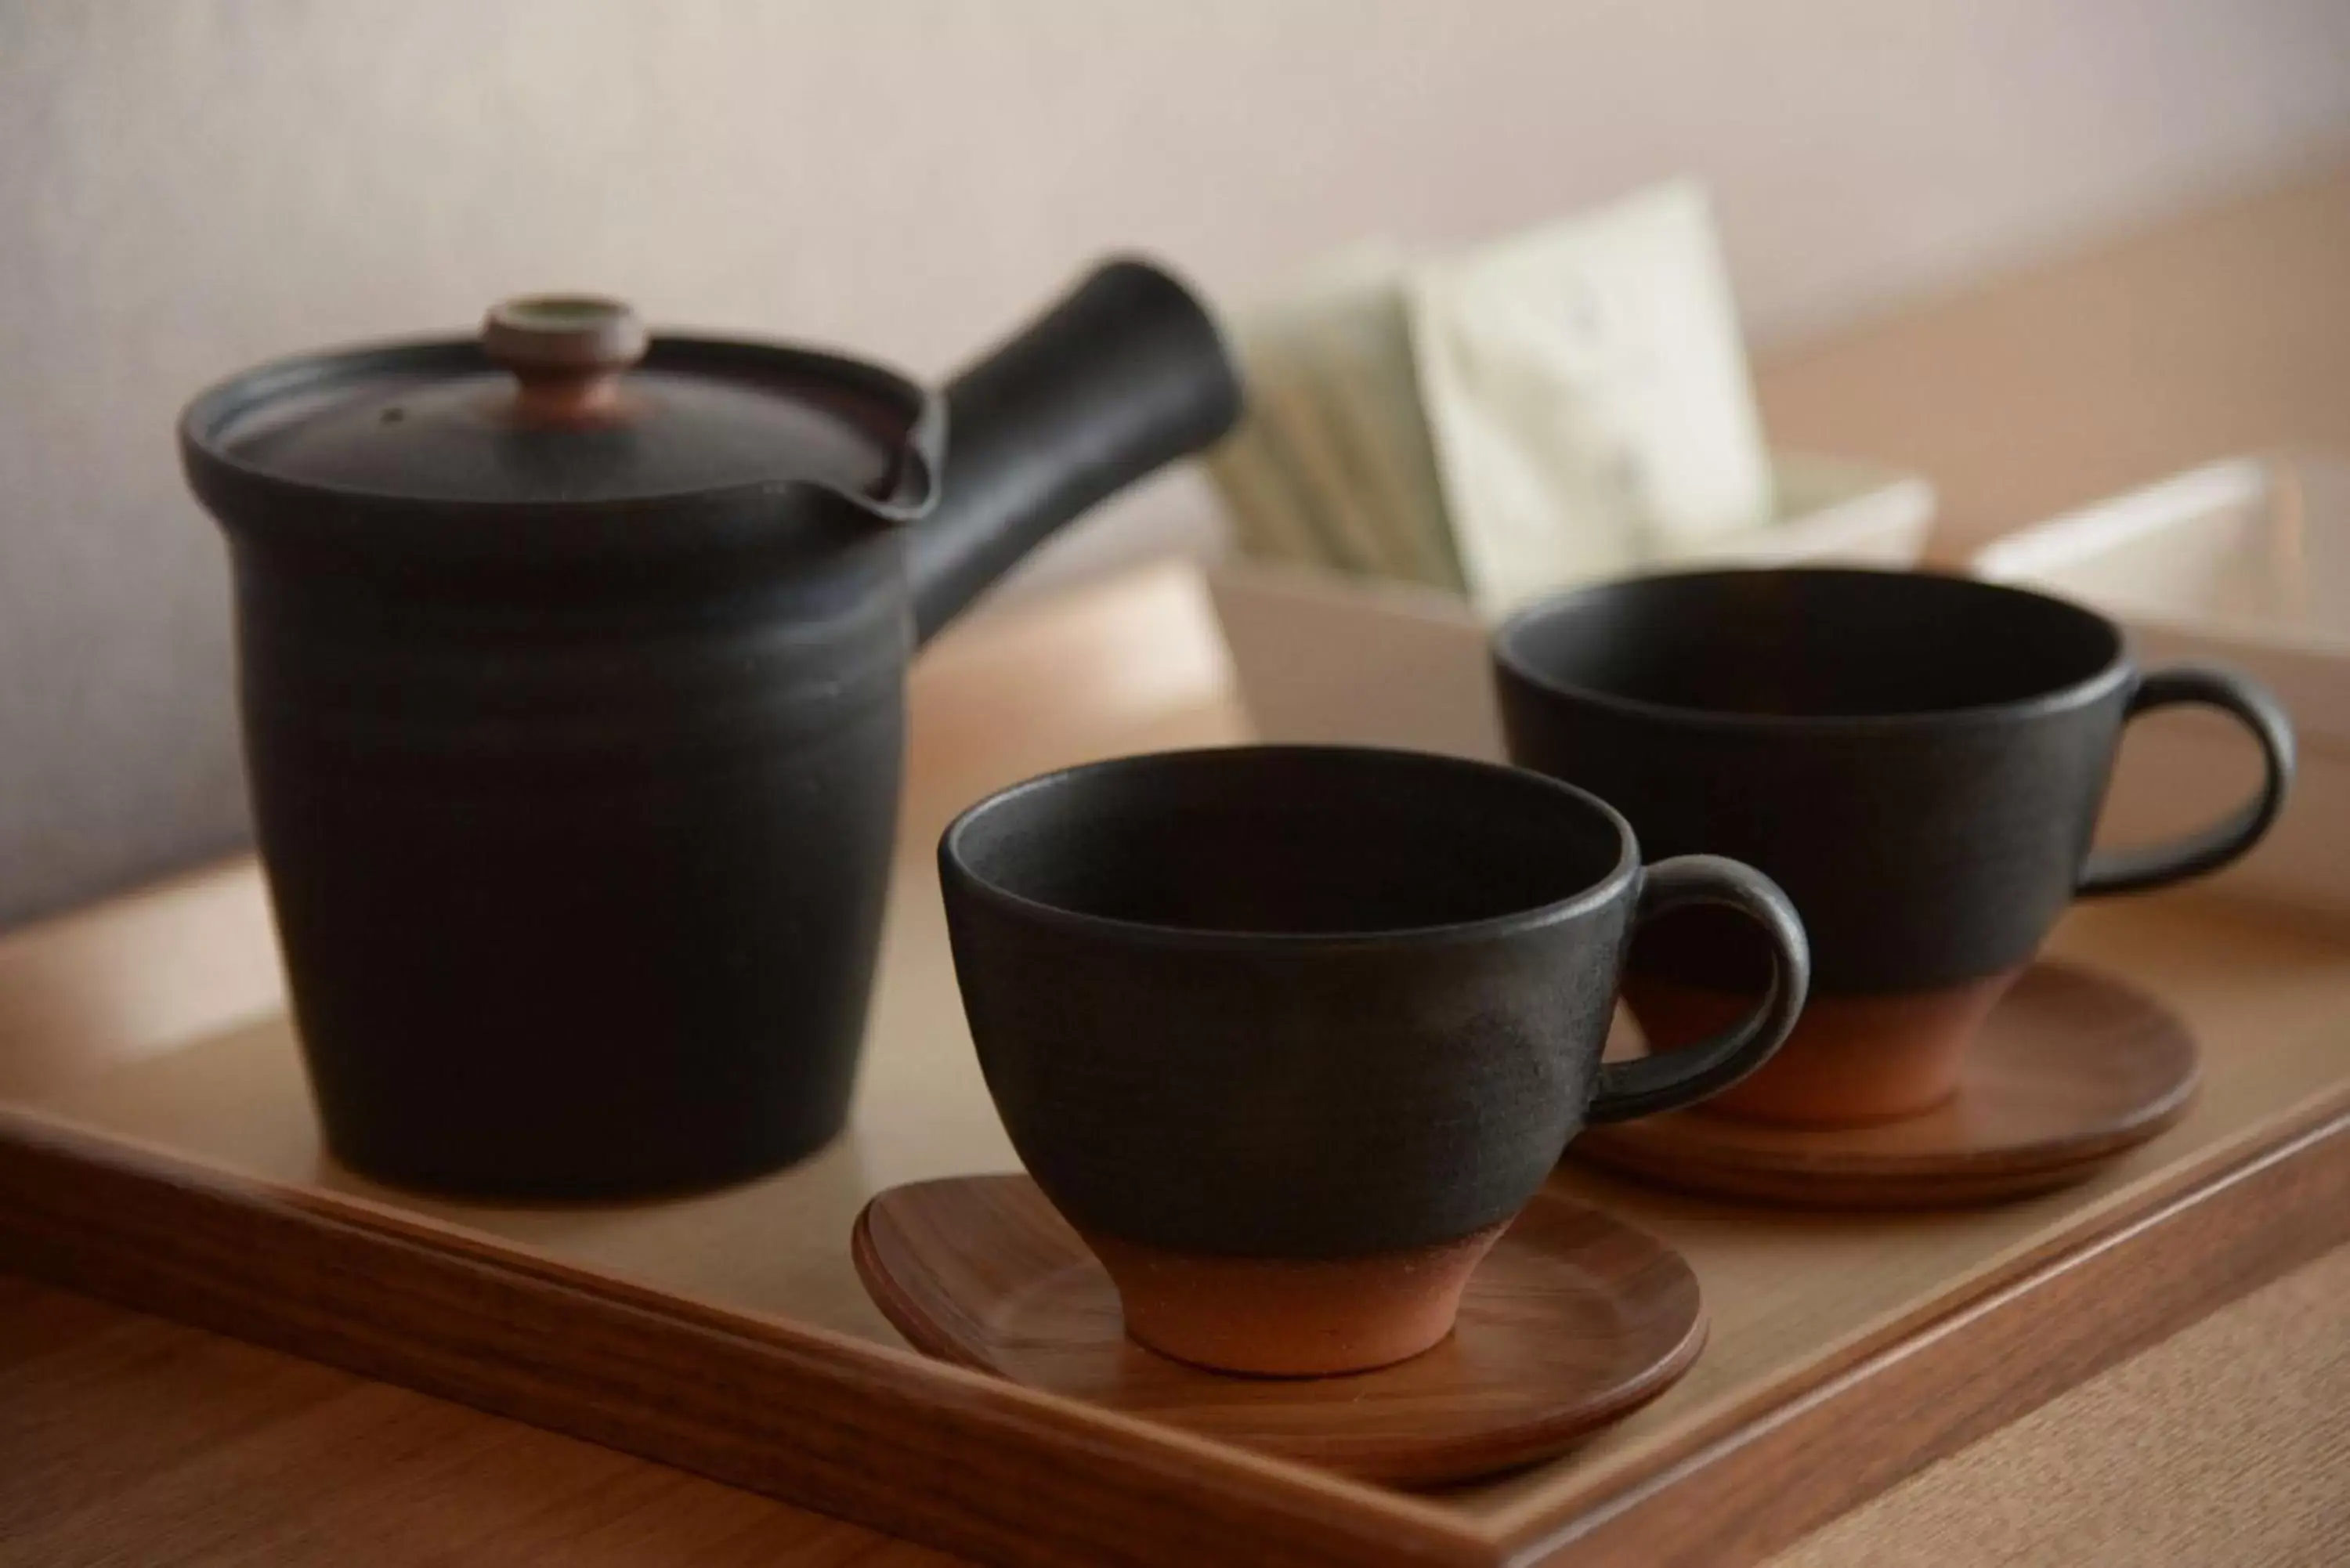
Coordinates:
(188, 185)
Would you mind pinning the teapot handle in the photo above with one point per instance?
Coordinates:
(1124, 375)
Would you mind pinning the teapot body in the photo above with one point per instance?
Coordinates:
(572, 666)
(579, 876)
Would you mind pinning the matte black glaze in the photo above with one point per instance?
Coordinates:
(1304, 1002)
(1917, 760)
(575, 763)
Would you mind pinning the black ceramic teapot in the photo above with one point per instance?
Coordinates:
(572, 668)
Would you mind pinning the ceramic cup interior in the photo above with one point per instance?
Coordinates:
(1290, 1033)
(1282, 842)
(1918, 759)
(1800, 645)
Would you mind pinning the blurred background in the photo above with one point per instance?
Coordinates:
(192, 187)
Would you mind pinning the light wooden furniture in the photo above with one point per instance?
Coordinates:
(93, 1017)
(2220, 332)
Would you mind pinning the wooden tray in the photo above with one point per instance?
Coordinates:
(157, 1147)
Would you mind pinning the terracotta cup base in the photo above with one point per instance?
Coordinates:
(1852, 1061)
(1573, 1318)
(2071, 1069)
(1285, 1317)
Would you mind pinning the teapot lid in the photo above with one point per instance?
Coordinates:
(568, 401)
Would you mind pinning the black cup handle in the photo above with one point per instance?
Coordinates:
(2253, 705)
(1687, 1074)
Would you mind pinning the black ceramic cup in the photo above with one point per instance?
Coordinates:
(1917, 760)
(1290, 1033)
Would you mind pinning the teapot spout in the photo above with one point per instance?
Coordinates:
(1126, 374)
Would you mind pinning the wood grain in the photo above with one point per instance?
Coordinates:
(1769, 1484)
(128, 1439)
(2071, 1068)
(1797, 1301)
(948, 1456)
(2227, 1443)
(1573, 1319)
(749, 1404)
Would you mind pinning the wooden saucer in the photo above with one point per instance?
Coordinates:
(1572, 1320)
(2071, 1068)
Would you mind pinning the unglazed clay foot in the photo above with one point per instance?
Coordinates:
(1286, 1317)
(1852, 1060)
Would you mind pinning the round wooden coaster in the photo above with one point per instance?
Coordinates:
(1573, 1319)
(2072, 1068)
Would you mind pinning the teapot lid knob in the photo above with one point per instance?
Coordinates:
(566, 350)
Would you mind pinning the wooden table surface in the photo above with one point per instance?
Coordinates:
(125, 1439)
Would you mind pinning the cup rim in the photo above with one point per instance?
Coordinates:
(956, 866)
(2117, 671)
